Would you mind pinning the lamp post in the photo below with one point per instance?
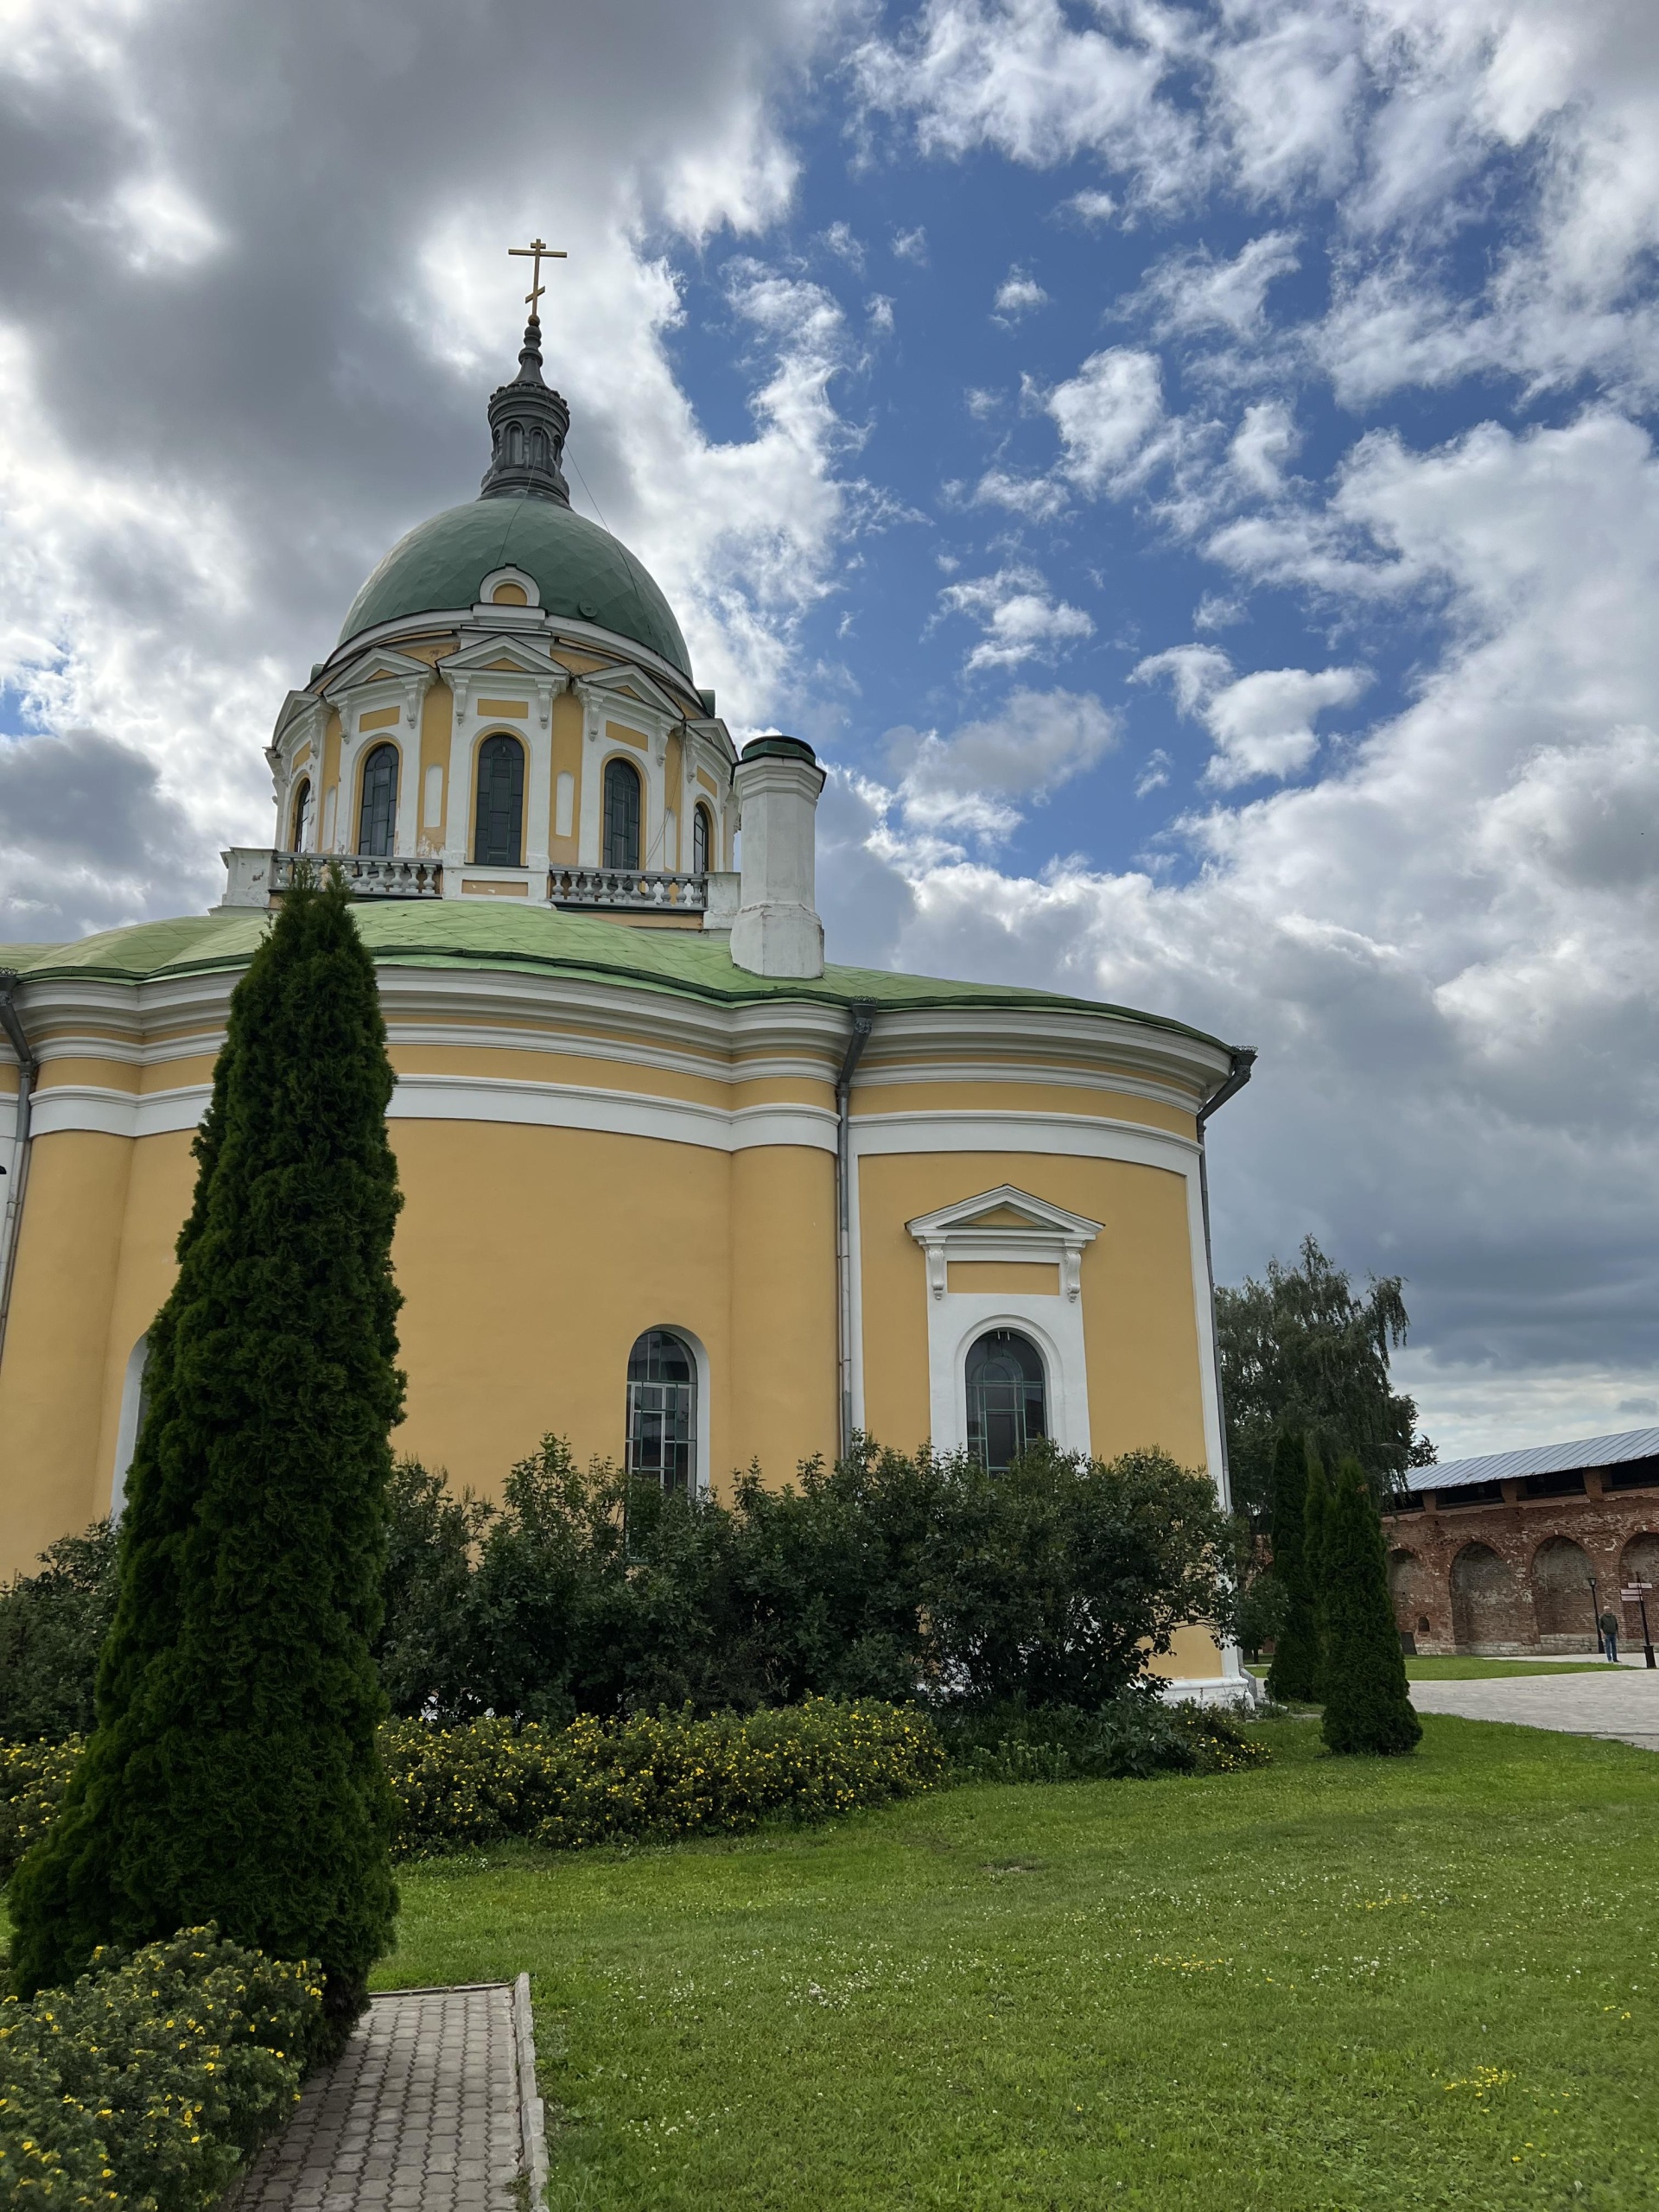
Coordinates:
(1636, 1592)
(1595, 1608)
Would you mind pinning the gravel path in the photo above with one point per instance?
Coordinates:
(1621, 1702)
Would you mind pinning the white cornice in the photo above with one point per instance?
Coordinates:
(174, 1016)
(587, 637)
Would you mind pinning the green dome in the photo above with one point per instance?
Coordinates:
(583, 572)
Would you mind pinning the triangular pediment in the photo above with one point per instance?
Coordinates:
(1006, 1211)
(630, 687)
(498, 656)
(379, 666)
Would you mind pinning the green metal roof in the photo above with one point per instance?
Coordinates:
(456, 933)
(583, 572)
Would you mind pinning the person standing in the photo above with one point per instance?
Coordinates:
(1608, 1624)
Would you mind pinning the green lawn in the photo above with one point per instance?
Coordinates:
(1486, 1670)
(1330, 1986)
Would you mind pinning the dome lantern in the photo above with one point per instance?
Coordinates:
(529, 421)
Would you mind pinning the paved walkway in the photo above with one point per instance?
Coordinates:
(431, 2107)
(1619, 1701)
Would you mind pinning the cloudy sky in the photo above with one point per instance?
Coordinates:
(1188, 467)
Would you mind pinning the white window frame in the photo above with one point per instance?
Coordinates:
(699, 1352)
(1046, 1235)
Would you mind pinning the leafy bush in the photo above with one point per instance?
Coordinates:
(1133, 1737)
(871, 1578)
(148, 2081)
(654, 1775)
(885, 1576)
(1054, 1584)
(52, 1625)
(32, 1778)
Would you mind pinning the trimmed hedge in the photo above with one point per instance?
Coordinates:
(1133, 1737)
(659, 1776)
(654, 1777)
(148, 2083)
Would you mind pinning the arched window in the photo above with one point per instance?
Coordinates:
(377, 818)
(621, 814)
(1007, 1404)
(662, 1435)
(498, 832)
(702, 841)
(301, 817)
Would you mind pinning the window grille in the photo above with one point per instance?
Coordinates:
(1008, 1405)
(499, 831)
(376, 819)
(662, 1430)
(701, 841)
(621, 814)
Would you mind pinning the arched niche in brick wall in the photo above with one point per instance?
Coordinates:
(1489, 1608)
(1411, 1590)
(1639, 1562)
(1560, 1594)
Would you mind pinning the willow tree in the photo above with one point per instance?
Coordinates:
(1294, 1674)
(1305, 1351)
(233, 1773)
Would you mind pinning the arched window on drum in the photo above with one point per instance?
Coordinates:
(702, 840)
(376, 816)
(300, 819)
(498, 835)
(621, 814)
(662, 1423)
(1008, 1398)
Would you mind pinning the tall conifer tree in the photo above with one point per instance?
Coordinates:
(1367, 1702)
(1315, 1495)
(234, 1774)
(1294, 1674)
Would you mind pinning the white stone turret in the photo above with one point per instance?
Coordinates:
(777, 930)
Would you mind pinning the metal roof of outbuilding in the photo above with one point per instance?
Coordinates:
(1542, 1459)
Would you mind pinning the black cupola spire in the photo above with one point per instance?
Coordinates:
(528, 424)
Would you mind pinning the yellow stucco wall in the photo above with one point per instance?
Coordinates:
(437, 718)
(1140, 1327)
(54, 1381)
(783, 1277)
(530, 1258)
(567, 762)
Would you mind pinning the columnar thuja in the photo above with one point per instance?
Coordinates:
(1367, 1701)
(1294, 1674)
(234, 1774)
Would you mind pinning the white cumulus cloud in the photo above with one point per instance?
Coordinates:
(1018, 617)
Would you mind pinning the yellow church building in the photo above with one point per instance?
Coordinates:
(674, 1188)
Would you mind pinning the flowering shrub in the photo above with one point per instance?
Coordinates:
(146, 2084)
(653, 1775)
(33, 1777)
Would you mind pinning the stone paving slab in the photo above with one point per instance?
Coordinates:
(427, 2109)
(1619, 1702)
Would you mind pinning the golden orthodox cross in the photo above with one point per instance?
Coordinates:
(536, 253)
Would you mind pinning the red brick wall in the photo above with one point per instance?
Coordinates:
(1513, 1576)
